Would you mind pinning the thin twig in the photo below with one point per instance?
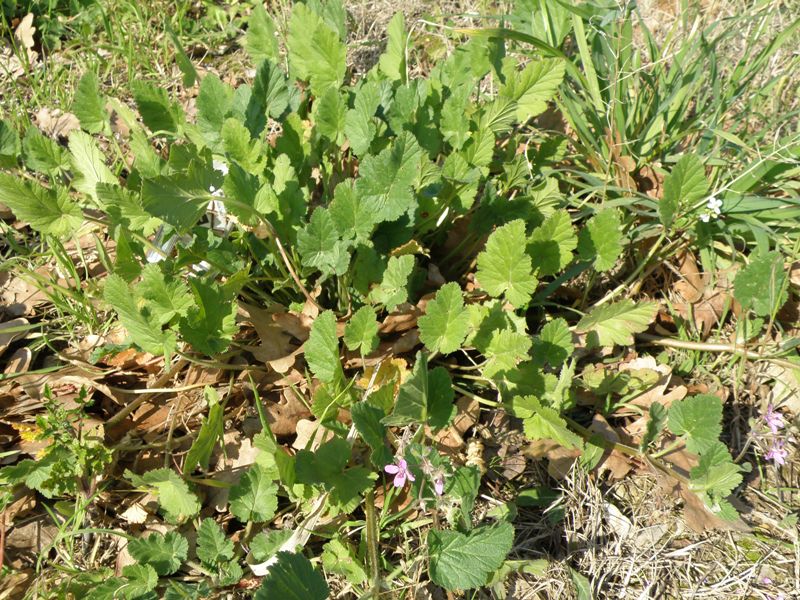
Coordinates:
(715, 347)
(123, 413)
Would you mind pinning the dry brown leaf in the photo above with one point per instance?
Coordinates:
(239, 454)
(25, 31)
(135, 514)
(56, 123)
(23, 503)
(657, 392)
(692, 285)
(310, 434)
(15, 585)
(650, 181)
(275, 343)
(19, 362)
(785, 390)
(613, 462)
(284, 414)
(560, 459)
(403, 318)
(18, 297)
(709, 307)
(7, 334)
(29, 539)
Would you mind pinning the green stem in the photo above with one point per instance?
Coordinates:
(372, 543)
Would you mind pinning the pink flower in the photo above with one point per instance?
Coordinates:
(400, 472)
(438, 485)
(773, 418)
(777, 453)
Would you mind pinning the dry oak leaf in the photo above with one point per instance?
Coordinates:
(615, 463)
(11, 331)
(25, 31)
(56, 123)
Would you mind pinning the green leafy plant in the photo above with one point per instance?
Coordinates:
(349, 204)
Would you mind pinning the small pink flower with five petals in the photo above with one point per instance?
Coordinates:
(401, 472)
(773, 419)
(777, 453)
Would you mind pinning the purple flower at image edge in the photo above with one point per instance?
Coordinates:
(400, 472)
(777, 453)
(773, 419)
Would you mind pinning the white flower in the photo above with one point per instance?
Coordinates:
(705, 217)
(714, 204)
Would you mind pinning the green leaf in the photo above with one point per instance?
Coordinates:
(260, 41)
(600, 241)
(182, 59)
(179, 199)
(49, 211)
(338, 557)
(393, 61)
(322, 348)
(507, 348)
(88, 105)
(165, 553)
(698, 419)
(425, 397)
(210, 324)
(165, 301)
(88, 162)
(684, 186)
(214, 101)
(319, 244)
(240, 147)
(445, 324)
(270, 97)
(265, 544)
(327, 465)
(551, 244)
(463, 486)
(145, 329)
(329, 115)
(716, 475)
(255, 497)
(554, 343)
(385, 182)
(125, 208)
(545, 423)
(761, 285)
(142, 579)
(504, 268)
(455, 123)
(315, 52)
(655, 424)
(533, 87)
(393, 290)
(213, 547)
(361, 331)
(292, 578)
(174, 496)
(583, 589)
(43, 154)
(211, 430)
(359, 122)
(367, 421)
(351, 217)
(9, 145)
(158, 113)
(464, 561)
(611, 324)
